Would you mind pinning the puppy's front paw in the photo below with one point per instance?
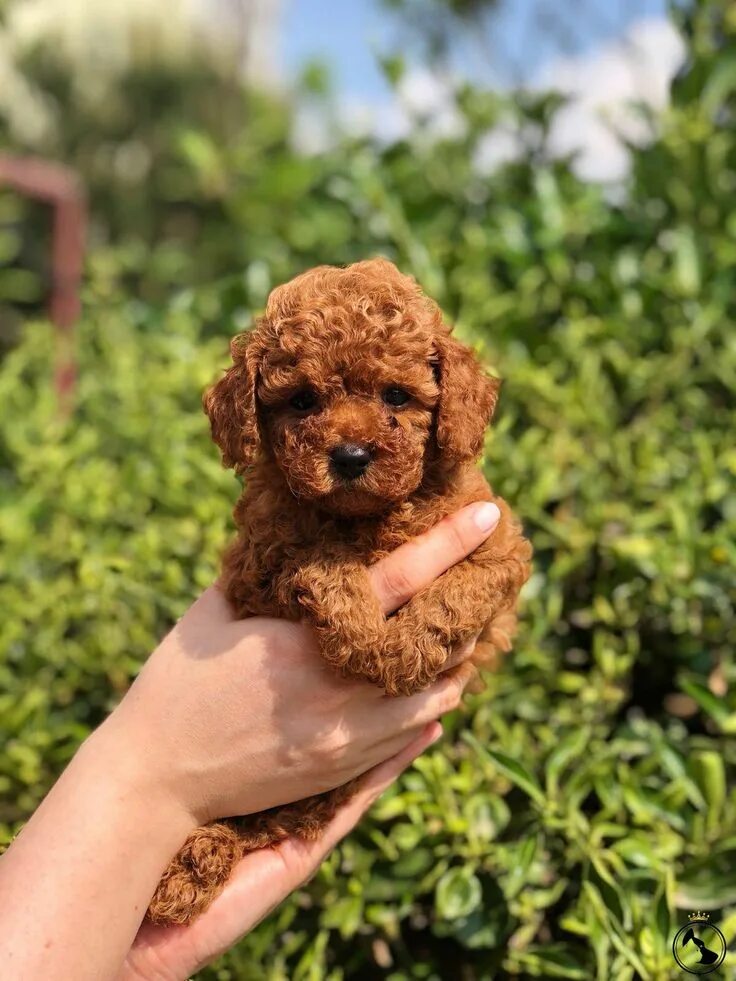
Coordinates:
(412, 659)
(340, 604)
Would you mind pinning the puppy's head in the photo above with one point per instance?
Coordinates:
(354, 386)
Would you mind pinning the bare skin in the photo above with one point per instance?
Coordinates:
(226, 717)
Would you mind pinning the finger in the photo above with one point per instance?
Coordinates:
(445, 695)
(477, 684)
(420, 561)
(212, 604)
(374, 783)
(402, 719)
(461, 653)
(406, 717)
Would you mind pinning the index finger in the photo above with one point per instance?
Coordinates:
(420, 561)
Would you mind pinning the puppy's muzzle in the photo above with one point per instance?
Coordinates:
(349, 460)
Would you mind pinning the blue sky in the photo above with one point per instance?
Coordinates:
(605, 55)
(346, 34)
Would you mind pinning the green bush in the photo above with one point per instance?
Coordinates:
(581, 806)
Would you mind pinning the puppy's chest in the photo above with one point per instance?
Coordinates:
(277, 540)
(337, 542)
(264, 585)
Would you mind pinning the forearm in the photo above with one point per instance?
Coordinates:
(75, 884)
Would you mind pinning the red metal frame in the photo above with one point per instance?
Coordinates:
(59, 187)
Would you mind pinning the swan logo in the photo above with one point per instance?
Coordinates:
(699, 947)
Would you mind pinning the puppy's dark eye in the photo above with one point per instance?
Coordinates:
(394, 395)
(304, 400)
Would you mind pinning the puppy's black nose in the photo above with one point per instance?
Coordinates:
(350, 460)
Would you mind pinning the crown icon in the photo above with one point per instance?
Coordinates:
(702, 917)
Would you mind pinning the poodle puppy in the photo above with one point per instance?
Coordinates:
(357, 419)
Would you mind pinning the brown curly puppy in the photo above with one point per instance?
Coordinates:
(358, 418)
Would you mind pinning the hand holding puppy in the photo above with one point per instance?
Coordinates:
(201, 732)
(236, 716)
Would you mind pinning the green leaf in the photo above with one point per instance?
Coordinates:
(393, 68)
(511, 769)
(571, 747)
(687, 262)
(345, 914)
(458, 893)
(715, 707)
(518, 875)
(552, 962)
(708, 883)
(487, 816)
(721, 83)
(710, 773)
(662, 916)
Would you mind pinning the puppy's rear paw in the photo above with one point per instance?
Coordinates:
(500, 631)
(196, 875)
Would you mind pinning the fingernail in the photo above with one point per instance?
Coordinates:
(437, 735)
(486, 517)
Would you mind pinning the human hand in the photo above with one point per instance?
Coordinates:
(224, 717)
(236, 716)
(258, 884)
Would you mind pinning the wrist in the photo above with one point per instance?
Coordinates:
(91, 854)
(138, 778)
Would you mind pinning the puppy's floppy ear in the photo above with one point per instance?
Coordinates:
(468, 397)
(231, 405)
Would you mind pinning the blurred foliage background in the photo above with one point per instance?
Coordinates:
(586, 802)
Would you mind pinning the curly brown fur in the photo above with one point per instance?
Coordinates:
(306, 534)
